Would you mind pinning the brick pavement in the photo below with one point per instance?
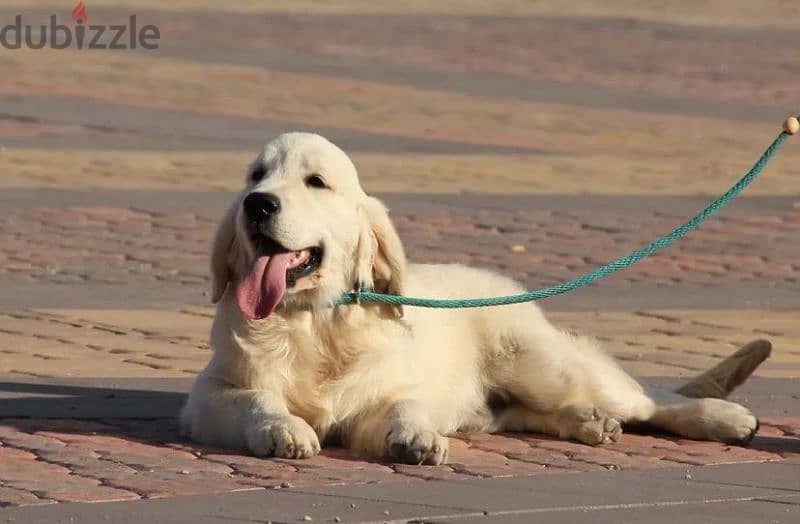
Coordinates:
(139, 343)
(492, 146)
(163, 238)
(62, 460)
(102, 459)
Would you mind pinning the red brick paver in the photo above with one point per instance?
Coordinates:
(62, 245)
(48, 460)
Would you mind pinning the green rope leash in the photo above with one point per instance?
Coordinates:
(790, 127)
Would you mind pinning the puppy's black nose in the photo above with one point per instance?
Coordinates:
(258, 206)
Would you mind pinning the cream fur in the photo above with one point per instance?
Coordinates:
(391, 385)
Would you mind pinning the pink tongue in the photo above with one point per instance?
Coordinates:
(260, 291)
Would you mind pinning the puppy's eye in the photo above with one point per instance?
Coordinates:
(258, 173)
(316, 181)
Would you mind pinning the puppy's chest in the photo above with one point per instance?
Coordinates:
(316, 382)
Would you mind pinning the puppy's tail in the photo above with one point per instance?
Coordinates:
(719, 381)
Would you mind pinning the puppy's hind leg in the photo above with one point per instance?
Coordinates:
(704, 415)
(564, 385)
(567, 385)
(581, 422)
(704, 418)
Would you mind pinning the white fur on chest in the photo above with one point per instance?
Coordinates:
(327, 369)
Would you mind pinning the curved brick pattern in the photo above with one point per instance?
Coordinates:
(68, 460)
(381, 172)
(557, 245)
(385, 109)
(49, 344)
(522, 46)
(685, 342)
(137, 343)
(433, 81)
(108, 245)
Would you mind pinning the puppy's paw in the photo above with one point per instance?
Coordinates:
(588, 425)
(725, 421)
(285, 437)
(412, 445)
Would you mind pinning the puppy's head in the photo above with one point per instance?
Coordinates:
(303, 232)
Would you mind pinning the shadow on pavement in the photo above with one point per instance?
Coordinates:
(775, 444)
(93, 399)
(142, 410)
(146, 409)
(144, 415)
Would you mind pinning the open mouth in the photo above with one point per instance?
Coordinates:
(299, 264)
(274, 269)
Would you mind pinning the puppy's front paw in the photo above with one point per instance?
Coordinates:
(588, 425)
(414, 446)
(286, 437)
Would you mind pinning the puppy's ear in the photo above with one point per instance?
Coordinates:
(380, 259)
(221, 253)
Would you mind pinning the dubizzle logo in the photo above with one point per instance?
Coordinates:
(82, 35)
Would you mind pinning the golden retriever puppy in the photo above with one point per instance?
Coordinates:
(290, 371)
